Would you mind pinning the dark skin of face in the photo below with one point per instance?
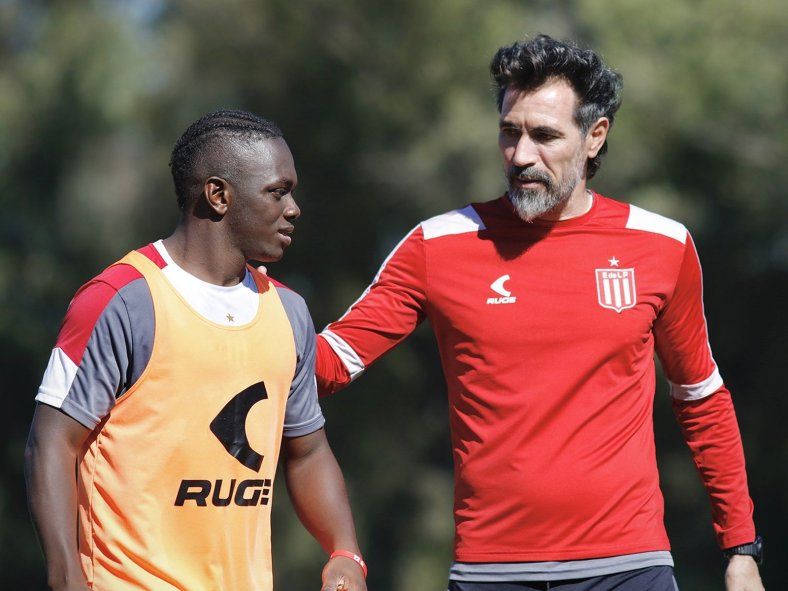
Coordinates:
(261, 216)
(247, 216)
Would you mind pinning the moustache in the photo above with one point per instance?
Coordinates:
(529, 174)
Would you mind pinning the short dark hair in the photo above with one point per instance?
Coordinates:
(212, 132)
(528, 65)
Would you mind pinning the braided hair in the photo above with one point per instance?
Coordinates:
(528, 65)
(202, 149)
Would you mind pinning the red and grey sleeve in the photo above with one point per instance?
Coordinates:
(702, 404)
(387, 312)
(103, 346)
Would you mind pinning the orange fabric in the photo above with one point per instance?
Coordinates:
(133, 533)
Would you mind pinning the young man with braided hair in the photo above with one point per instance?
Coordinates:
(177, 374)
(548, 304)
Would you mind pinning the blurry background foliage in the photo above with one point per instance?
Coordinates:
(387, 106)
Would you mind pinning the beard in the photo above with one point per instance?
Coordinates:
(533, 203)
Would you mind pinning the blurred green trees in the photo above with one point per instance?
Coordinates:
(388, 109)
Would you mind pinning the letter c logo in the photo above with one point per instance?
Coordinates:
(229, 426)
(497, 286)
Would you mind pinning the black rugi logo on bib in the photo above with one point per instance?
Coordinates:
(229, 427)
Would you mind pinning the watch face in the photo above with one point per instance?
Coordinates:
(759, 549)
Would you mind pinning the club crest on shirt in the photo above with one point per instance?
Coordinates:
(615, 288)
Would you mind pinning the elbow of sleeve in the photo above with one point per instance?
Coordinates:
(330, 373)
(327, 386)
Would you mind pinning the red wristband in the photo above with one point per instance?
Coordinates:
(354, 557)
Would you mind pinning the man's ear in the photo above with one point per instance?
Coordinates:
(596, 136)
(217, 195)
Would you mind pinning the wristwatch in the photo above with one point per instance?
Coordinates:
(754, 549)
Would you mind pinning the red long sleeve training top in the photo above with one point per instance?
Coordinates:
(547, 332)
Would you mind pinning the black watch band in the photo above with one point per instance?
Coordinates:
(754, 549)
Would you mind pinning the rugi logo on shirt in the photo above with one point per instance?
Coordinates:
(229, 427)
(506, 295)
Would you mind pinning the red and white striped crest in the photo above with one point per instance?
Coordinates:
(615, 288)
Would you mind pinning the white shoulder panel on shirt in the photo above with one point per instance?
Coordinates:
(458, 221)
(58, 378)
(640, 219)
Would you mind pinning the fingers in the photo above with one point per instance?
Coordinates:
(339, 584)
(343, 582)
(343, 574)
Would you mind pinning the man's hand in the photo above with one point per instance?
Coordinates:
(343, 574)
(317, 491)
(742, 574)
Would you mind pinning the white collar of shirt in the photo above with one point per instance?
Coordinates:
(230, 306)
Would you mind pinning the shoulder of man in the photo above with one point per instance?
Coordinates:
(297, 312)
(118, 285)
(462, 220)
(291, 299)
(638, 219)
(97, 355)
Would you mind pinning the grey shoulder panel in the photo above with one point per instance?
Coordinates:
(142, 320)
(116, 354)
(303, 415)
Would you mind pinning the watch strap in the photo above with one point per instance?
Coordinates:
(754, 549)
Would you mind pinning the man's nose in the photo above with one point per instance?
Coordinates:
(525, 152)
(292, 211)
